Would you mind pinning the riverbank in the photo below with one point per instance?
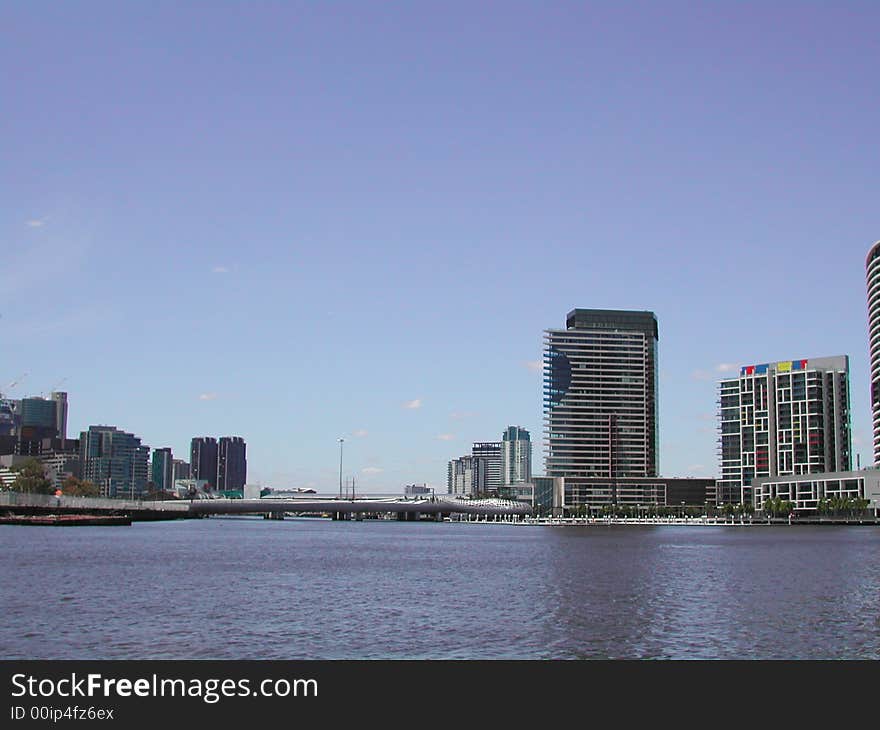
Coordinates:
(680, 521)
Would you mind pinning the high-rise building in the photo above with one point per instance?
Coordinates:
(600, 395)
(203, 460)
(487, 466)
(231, 464)
(114, 460)
(777, 419)
(60, 398)
(181, 470)
(162, 472)
(460, 476)
(872, 273)
(39, 419)
(516, 456)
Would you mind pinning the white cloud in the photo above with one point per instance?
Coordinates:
(360, 433)
(459, 415)
(726, 367)
(701, 375)
(536, 366)
(37, 222)
(372, 470)
(446, 436)
(208, 396)
(417, 403)
(695, 467)
(219, 270)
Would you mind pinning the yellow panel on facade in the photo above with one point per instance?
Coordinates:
(783, 367)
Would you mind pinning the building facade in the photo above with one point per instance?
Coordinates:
(60, 399)
(115, 461)
(487, 467)
(231, 464)
(39, 419)
(785, 418)
(460, 476)
(203, 460)
(162, 470)
(181, 470)
(872, 273)
(600, 395)
(806, 492)
(516, 456)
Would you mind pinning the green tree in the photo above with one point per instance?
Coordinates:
(31, 478)
(74, 487)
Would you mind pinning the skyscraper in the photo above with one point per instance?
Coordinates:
(777, 419)
(162, 473)
(38, 419)
(114, 460)
(203, 460)
(872, 273)
(516, 456)
(231, 463)
(60, 399)
(487, 466)
(600, 395)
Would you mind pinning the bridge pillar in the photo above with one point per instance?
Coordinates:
(401, 517)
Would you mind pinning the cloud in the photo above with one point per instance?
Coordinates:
(360, 433)
(446, 436)
(417, 403)
(701, 375)
(726, 367)
(208, 396)
(459, 415)
(372, 470)
(695, 467)
(37, 222)
(219, 270)
(536, 366)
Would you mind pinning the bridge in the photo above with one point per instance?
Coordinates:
(405, 508)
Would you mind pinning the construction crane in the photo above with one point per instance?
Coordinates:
(14, 383)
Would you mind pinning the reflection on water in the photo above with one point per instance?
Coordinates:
(311, 588)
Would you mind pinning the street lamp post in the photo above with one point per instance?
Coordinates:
(341, 441)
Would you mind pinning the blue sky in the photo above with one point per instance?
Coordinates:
(299, 221)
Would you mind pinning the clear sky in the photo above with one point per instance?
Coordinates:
(300, 221)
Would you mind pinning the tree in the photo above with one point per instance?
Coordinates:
(74, 487)
(31, 478)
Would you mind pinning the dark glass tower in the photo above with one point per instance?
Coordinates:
(203, 458)
(231, 463)
(600, 395)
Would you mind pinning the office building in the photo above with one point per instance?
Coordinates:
(516, 456)
(115, 461)
(181, 470)
(60, 399)
(39, 419)
(872, 273)
(203, 460)
(162, 471)
(231, 464)
(487, 467)
(784, 418)
(600, 395)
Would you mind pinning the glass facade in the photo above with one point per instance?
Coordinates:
(600, 395)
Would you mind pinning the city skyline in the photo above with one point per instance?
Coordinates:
(296, 240)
